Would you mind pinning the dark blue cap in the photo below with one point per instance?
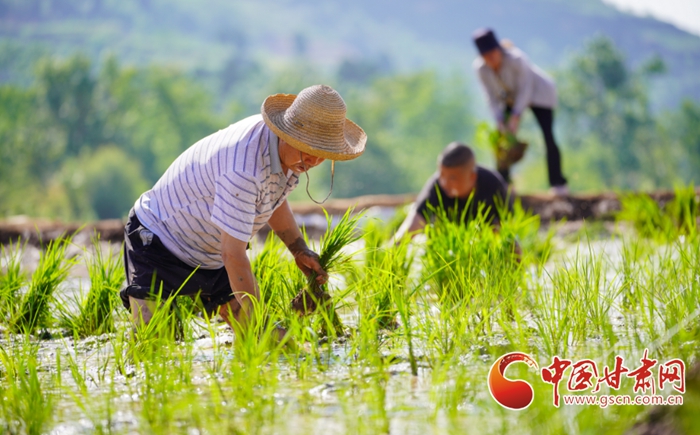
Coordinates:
(485, 40)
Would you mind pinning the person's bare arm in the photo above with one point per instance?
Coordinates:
(410, 225)
(283, 224)
(240, 275)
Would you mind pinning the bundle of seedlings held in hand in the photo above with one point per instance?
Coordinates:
(314, 297)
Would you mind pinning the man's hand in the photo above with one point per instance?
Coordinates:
(283, 224)
(513, 123)
(307, 260)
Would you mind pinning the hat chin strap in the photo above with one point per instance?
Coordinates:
(306, 172)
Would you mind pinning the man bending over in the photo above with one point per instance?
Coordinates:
(458, 177)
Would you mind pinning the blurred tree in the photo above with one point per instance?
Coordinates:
(68, 88)
(154, 114)
(408, 119)
(18, 61)
(29, 146)
(681, 130)
(149, 115)
(608, 123)
(100, 184)
(363, 70)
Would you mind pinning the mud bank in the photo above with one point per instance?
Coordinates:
(38, 232)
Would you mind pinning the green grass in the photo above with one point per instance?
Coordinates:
(423, 321)
(664, 223)
(12, 278)
(27, 403)
(33, 308)
(95, 312)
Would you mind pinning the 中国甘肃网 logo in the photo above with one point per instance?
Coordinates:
(649, 376)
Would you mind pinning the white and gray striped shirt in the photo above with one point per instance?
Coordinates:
(229, 181)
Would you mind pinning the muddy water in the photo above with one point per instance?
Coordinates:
(317, 404)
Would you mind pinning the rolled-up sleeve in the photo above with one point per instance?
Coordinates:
(235, 204)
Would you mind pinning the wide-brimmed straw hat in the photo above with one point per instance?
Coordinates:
(314, 122)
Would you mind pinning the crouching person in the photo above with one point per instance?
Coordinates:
(459, 188)
(190, 232)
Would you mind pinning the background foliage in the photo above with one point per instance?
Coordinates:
(83, 133)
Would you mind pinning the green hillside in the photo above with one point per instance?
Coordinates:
(97, 98)
(218, 39)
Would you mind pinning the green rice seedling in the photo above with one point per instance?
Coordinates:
(645, 215)
(254, 343)
(167, 326)
(278, 277)
(688, 286)
(99, 408)
(385, 271)
(251, 393)
(473, 259)
(11, 279)
(558, 316)
(677, 217)
(27, 403)
(522, 226)
(305, 332)
(243, 400)
(365, 341)
(684, 209)
(405, 307)
(166, 393)
(161, 385)
(77, 390)
(588, 284)
(106, 278)
(52, 270)
(332, 259)
(452, 385)
(365, 394)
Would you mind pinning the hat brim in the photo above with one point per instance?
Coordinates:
(354, 138)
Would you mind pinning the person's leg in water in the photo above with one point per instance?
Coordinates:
(545, 119)
(141, 311)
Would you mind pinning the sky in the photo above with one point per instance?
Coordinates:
(685, 14)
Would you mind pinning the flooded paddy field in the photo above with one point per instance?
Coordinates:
(422, 324)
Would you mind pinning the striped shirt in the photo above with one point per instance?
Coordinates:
(230, 181)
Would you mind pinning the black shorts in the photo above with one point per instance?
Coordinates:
(150, 265)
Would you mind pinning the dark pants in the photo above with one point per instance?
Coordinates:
(149, 266)
(545, 119)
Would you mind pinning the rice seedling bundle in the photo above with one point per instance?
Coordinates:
(331, 258)
(11, 279)
(106, 279)
(53, 268)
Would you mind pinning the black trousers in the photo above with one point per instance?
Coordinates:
(150, 267)
(545, 119)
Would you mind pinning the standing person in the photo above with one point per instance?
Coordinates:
(513, 84)
(195, 224)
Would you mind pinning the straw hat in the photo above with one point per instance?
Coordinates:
(314, 122)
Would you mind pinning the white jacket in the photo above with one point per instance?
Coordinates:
(520, 81)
